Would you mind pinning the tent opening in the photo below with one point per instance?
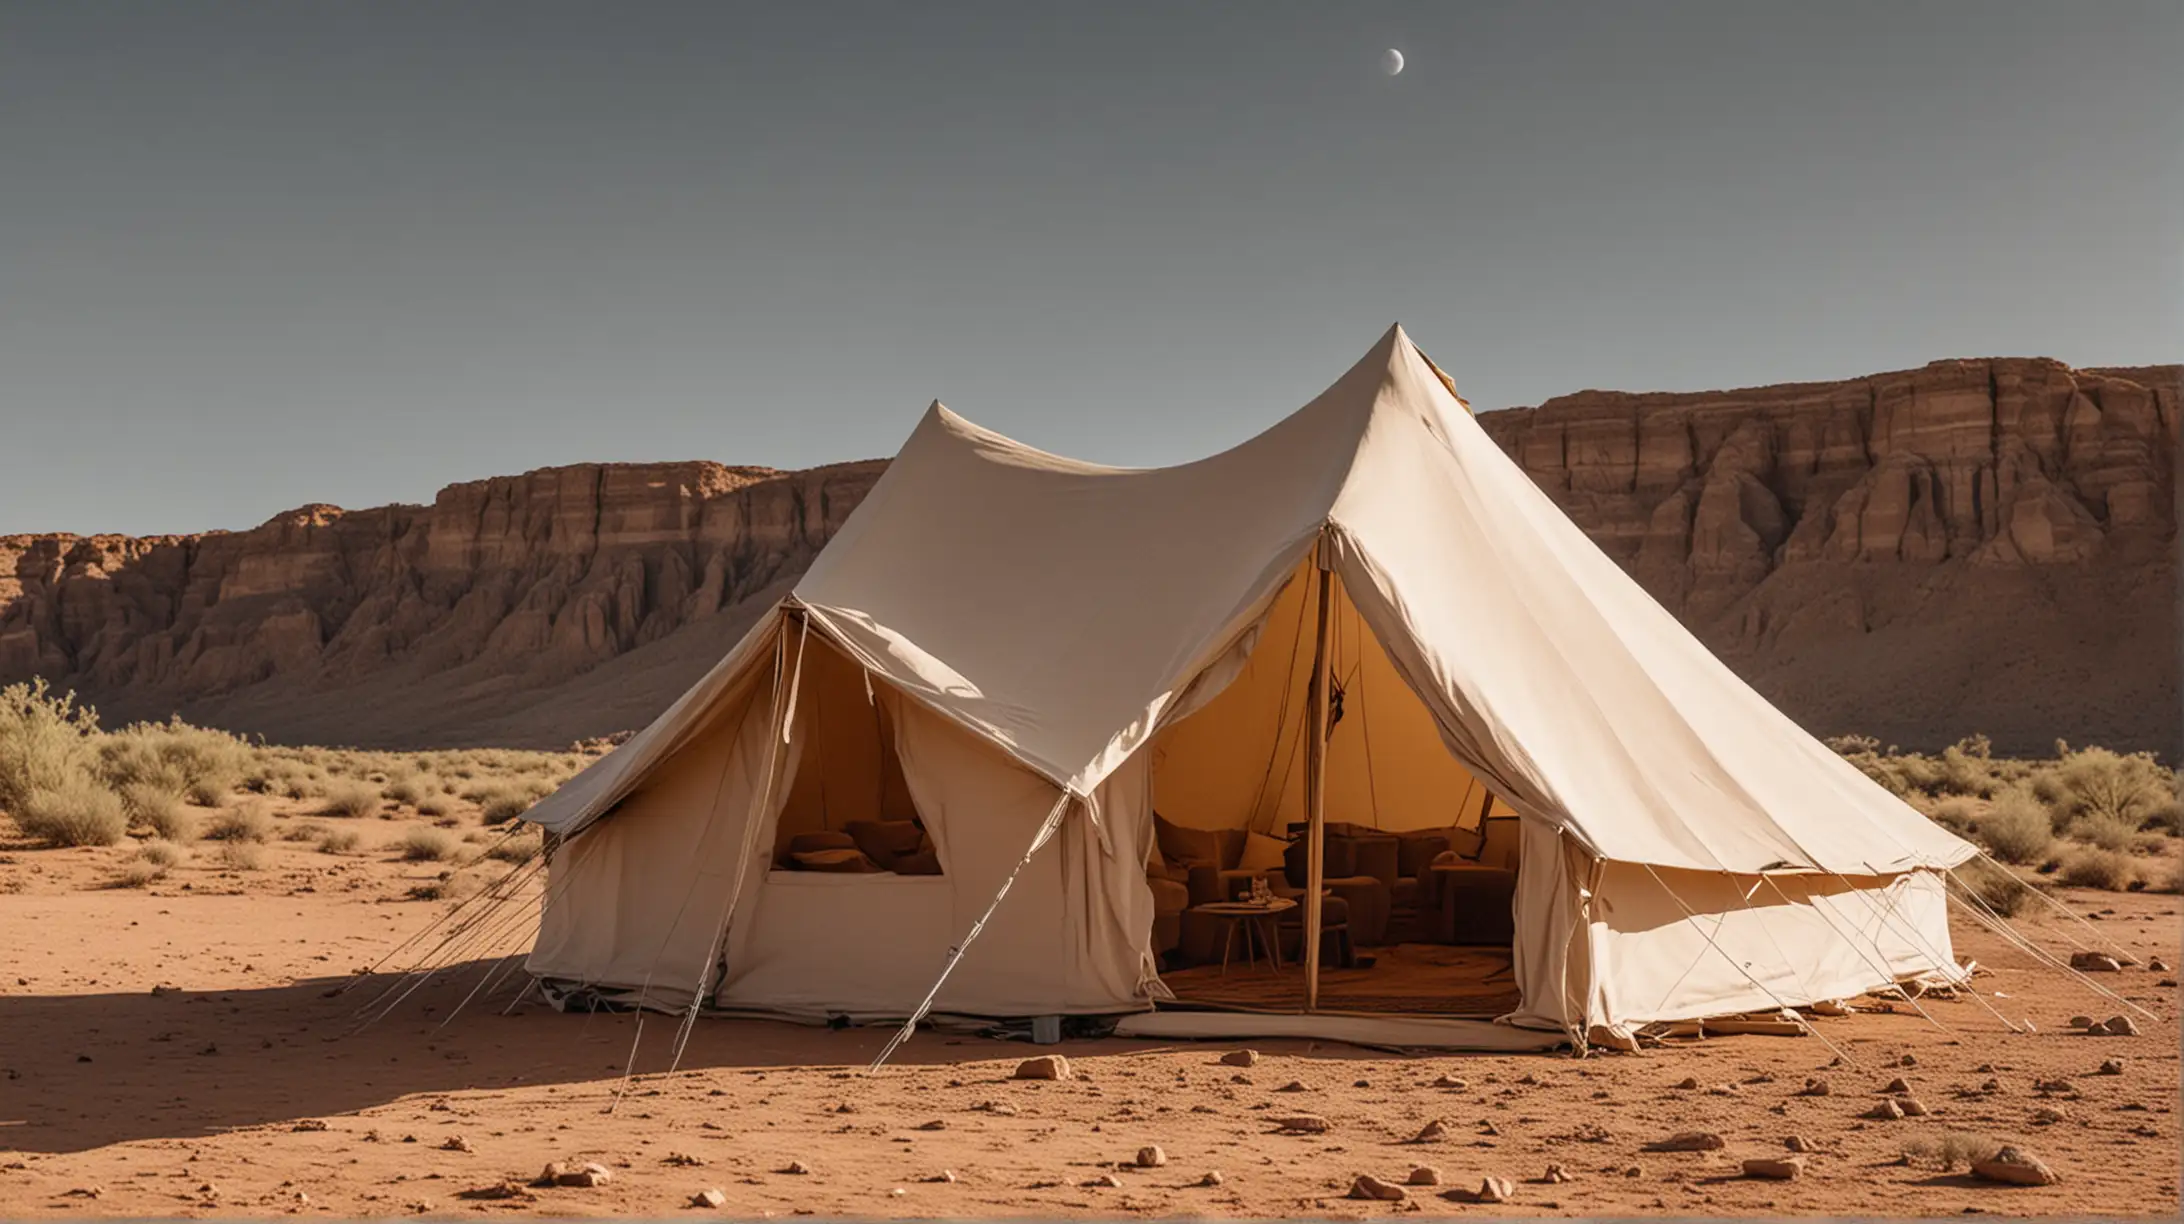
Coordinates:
(848, 808)
(1420, 860)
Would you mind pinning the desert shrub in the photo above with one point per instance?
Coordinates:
(199, 762)
(242, 856)
(407, 788)
(45, 742)
(1956, 813)
(138, 875)
(2151, 844)
(2110, 870)
(518, 849)
(339, 841)
(2171, 881)
(1951, 1150)
(1966, 767)
(79, 812)
(2105, 831)
(161, 853)
(504, 807)
(1998, 888)
(434, 805)
(159, 810)
(303, 831)
(352, 798)
(2016, 828)
(2122, 787)
(2166, 818)
(426, 845)
(247, 822)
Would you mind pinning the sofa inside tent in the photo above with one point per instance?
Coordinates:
(1038, 737)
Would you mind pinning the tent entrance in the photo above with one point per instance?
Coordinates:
(1418, 857)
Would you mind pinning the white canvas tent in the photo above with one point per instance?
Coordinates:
(1032, 652)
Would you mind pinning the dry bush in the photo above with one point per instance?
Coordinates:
(161, 853)
(2016, 828)
(303, 831)
(2166, 818)
(1967, 767)
(2149, 844)
(352, 798)
(434, 805)
(245, 822)
(2122, 787)
(1998, 888)
(504, 807)
(1956, 813)
(339, 841)
(138, 875)
(521, 848)
(407, 788)
(76, 813)
(242, 856)
(2105, 831)
(2110, 870)
(1951, 1149)
(426, 845)
(159, 810)
(198, 762)
(46, 742)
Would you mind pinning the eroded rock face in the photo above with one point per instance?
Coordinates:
(1973, 545)
(533, 578)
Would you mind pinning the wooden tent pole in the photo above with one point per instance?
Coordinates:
(1315, 784)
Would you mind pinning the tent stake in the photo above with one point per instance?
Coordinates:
(1315, 785)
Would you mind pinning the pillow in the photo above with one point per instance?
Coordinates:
(884, 841)
(1192, 847)
(845, 861)
(1262, 853)
(925, 862)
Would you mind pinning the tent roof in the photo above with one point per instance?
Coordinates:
(1059, 608)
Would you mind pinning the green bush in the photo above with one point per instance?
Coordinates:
(2110, 870)
(76, 813)
(45, 742)
(2016, 828)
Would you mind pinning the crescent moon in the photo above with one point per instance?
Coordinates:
(1392, 62)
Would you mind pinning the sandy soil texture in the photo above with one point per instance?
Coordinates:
(177, 1051)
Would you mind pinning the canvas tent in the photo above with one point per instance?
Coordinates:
(1032, 653)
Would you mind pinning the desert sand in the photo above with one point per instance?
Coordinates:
(181, 1050)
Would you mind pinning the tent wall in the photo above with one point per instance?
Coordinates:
(639, 898)
(1068, 937)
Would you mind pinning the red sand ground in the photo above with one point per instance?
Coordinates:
(244, 1092)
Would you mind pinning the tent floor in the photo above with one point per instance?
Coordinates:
(1405, 979)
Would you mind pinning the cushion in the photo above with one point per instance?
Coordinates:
(884, 841)
(924, 862)
(849, 861)
(1262, 853)
(1186, 846)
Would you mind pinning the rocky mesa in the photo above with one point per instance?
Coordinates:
(1976, 545)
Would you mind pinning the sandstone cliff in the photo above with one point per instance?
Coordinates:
(1976, 545)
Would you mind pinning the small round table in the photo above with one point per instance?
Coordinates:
(1248, 916)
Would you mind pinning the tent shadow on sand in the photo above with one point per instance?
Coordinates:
(188, 1064)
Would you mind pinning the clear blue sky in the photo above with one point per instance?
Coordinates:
(256, 255)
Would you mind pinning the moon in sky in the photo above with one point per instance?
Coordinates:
(1391, 62)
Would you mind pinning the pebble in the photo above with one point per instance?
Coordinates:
(1815, 1087)
(2015, 1167)
(2081, 1022)
(1688, 1141)
(1886, 1111)
(2157, 965)
(945, 1176)
(1431, 1132)
(1151, 1157)
(1212, 1178)
(1555, 1175)
(2047, 1115)
(2120, 1026)
(456, 1143)
(795, 1168)
(561, 1173)
(934, 1125)
(1044, 1067)
(1912, 1107)
(1908, 1060)
(1369, 1187)
(1448, 1081)
(1688, 1083)
(1105, 1181)
(1240, 1058)
(2054, 1085)
(309, 1124)
(1304, 1124)
(1783, 1168)
(713, 1197)
(2094, 962)
(1423, 1175)
(1293, 1086)
(1896, 1087)
(1798, 1143)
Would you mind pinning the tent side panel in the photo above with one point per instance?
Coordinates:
(638, 897)
(1757, 943)
(1552, 951)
